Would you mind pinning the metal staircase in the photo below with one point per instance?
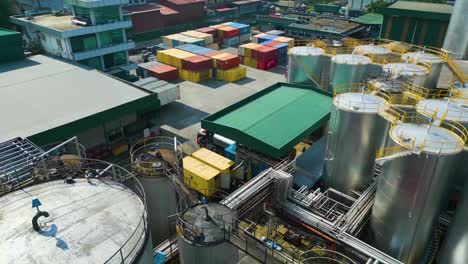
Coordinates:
(455, 68)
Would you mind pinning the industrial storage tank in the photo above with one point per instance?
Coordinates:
(202, 230)
(391, 86)
(348, 68)
(434, 62)
(454, 248)
(356, 132)
(308, 65)
(87, 212)
(154, 159)
(417, 169)
(414, 73)
(378, 54)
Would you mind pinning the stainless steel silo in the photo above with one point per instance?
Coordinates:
(378, 53)
(456, 38)
(417, 169)
(414, 73)
(202, 230)
(355, 133)
(153, 159)
(348, 68)
(436, 63)
(455, 247)
(306, 66)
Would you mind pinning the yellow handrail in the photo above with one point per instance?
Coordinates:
(457, 128)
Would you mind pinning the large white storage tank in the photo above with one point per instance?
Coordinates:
(308, 65)
(356, 131)
(412, 72)
(417, 170)
(202, 230)
(378, 53)
(96, 215)
(348, 68)
(154, 159)
(434, 62)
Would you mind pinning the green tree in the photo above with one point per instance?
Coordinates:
(6, 10)
(376, 5)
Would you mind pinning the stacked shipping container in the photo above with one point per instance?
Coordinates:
(244, 31)
(175, 40)
(192, 67)
(266, 52)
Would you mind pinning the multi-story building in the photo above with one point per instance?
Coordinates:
(42, 5)
(93, 34)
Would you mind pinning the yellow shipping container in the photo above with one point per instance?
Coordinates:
(251, 62)
(200, 176)
(196, 77)
(231, 75)
(213, 159)
(208, 38)
(173, 57)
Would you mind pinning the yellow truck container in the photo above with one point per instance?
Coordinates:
(198, 76)
(231, 75)
(173, 57)
(220, 163)
(200, 176)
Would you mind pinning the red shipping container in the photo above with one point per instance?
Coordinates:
(230, 32)
(227, 61)
(214, 53)
(197, 63)
(264, 53)
(208, 30)
(261, 65)
(273, 44)
(164, 72)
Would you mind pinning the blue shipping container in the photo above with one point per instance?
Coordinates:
(230, 152)
(231, 41)
(269, 37)
(266, 42)
(243, 28)
(189, 47)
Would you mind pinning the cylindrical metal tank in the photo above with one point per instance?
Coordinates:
(407, 72)
(378, 53)
(152, 159)
(356, 132)
(91, 217)
(348, 68)
(416, 174)
(454, 248)
(306, 65)
(456, 38)
(436, 63)
(202, 231)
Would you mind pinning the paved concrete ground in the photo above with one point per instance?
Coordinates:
(198, 100)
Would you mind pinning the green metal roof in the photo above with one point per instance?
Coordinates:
(273, 120)
(419, 9)
(369, 19)
(5, 32)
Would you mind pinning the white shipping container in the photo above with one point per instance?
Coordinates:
(168, 93)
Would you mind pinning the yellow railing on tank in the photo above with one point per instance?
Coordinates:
(455, 127)
(391, 151)
(361, 88)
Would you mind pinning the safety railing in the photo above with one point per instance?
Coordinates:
(322, 255)
(358, 105)
(456, 69)
(151, 156)
(393, 114)
(394, 151)
(457, 128)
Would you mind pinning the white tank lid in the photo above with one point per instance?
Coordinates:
(306, 51)
(422, 57)
(351, 59)
(427, 138)
(388, 84)
(405, 69)
(453, 109)
(90, 221)
(371, 49)
(358, 102)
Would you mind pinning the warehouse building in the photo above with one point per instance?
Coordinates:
(258, 123)
(50, 100)
(93, 34)
(416, 23)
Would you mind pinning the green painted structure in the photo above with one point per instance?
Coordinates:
(273, 120)
(11, 46)
(370, 19)
(416, 22)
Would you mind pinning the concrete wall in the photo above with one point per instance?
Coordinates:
(55, 46)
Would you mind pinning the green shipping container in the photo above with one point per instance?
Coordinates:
(11, 46)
